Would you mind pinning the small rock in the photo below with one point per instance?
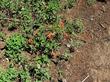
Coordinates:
(103, 8)
(92, 18)
(7, 59)
(2, 45)
(64, 80)
(68, 45)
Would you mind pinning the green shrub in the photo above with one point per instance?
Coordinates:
(57, 30)
(74, 27)
(43, 44)
(78, 26)
(91, 2)
(4, 4)
(14, 46)
(38, 80)
(24, 76)
(42, 74)
(2, 36)
(52, 10)
(12, 26)
(9, 75)
(41, 67)
(76, 43)
(40, 60)
(50, 16)
(54, 5)
(66, 55)
(15, 42)
(69, 4)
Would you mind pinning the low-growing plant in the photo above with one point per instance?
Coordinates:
(69, 4)
(2, 15)
(8, 75)
(14, 46)
(4, 4)
(76, 43)
(40, 67)
(42, 60)
(42, 71)
(52, 11)
(13, 5)
(12, 26)
(74, 27)
(15, 42)
(38, 80)
(42, 74)
(51, 17)
(91, 2)
(43, 41)
(24, 76)
(58, 30)
(54, 5)
(2, 36)
(66, 55)
(11, 75)
(43, 44)
(78, 26)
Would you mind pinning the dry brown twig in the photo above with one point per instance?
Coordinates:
(85, 79)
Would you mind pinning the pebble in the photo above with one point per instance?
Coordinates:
(7, 59)
(92, 18)
(64, 80)
(2, 45)
(68, 45)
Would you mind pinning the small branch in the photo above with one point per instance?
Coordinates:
(102, 25)
(85, 79)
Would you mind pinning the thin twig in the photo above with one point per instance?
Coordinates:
(102, 25)
(85, 79)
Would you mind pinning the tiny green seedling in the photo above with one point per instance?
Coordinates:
(74, 27)
(2, 36)
(91, 2)
(69, 4)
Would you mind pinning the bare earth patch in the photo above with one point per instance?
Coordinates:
(91, 62)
